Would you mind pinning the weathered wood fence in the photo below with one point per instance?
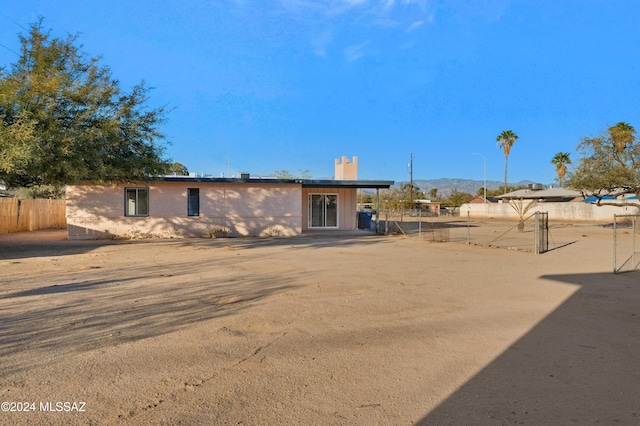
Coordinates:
(31, 214)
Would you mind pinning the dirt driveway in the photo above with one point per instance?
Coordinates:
(316, 330)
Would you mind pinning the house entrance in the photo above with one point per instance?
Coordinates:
(323, 210)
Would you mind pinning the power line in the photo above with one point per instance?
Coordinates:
(14, 22)
(11, 20)
(10, 50)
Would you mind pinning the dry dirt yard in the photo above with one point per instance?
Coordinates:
(350, 330)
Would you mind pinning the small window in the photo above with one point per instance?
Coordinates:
(193, 201)
(136, 202)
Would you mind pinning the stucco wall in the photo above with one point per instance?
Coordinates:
(243, 209)
(573, 211)
(347, 199)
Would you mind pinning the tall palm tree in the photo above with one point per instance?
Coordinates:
(561, 160)
(506, 139)
(622, 134)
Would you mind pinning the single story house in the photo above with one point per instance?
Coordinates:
(559, 203)
(184, 206)
(542, 195)
(428, 206)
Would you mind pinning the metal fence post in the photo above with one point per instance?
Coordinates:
(536, 234)
(615, 234)
(377, 211)
(386, 222)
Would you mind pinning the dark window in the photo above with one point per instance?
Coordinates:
(323, 210)
(193, 201)
(136, 202)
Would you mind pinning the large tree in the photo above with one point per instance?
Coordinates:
(506, 139)
(457, 198)
(561, 160)
(178, 169)
(609, 166)
(63, 119)
(433, 193)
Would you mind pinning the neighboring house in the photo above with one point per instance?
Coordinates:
(542, 195)
(479, 200)
(559, 203)
(182, 206)
(428, 206)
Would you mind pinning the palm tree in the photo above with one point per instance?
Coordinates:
(561, 160)
(506, 139)
(622, 135)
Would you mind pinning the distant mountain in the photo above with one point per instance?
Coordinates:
(446, 185)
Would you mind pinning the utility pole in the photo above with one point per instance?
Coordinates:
(411, 182)
(484, 158)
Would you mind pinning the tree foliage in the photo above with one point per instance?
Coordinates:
(561, 160)
(433, 193)
(400, 197)
(521, 209)
(500, 191)
(610, 164)
(63, 119)
(457, 198)
(288, 174)
(178, 169)
(505, 140)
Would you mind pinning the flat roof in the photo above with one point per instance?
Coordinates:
(315, 183)
(541, 193)
(309, 183)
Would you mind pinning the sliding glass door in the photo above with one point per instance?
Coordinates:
(323, 210)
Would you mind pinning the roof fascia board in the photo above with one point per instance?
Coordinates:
(317, 183)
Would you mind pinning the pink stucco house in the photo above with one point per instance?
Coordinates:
(181, 206)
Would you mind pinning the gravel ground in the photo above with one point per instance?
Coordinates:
(317, 330)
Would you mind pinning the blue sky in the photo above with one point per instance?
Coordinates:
(262, 85)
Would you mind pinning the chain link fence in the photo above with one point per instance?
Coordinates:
(625, 243)
(531, 234)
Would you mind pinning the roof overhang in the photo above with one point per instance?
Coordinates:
(307, 183)
(229, 180)
(364, 184)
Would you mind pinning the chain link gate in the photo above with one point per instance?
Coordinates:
(625, 251)
(541, 233)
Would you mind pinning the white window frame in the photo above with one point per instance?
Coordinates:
(136, 201)
(324, 226)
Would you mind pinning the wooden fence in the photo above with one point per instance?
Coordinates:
(31, 214)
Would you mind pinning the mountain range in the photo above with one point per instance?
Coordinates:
(446, 185)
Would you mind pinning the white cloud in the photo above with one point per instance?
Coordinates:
(355, 51)
(325, 9)
(321, 41)
(415, 25)
(332, 24)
